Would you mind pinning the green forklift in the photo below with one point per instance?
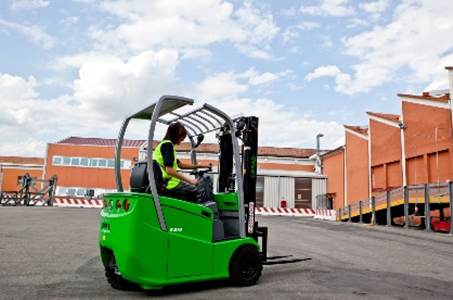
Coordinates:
(150, 238)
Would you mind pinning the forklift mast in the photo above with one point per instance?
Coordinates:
(248, 127)
(247, 131)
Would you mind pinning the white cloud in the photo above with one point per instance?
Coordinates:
(337, 8)
(375, 6)
(106, 91)
(199, 23)
(27, 147)
(25, 120)
(113, 87)
(357, 22)
(413, 41)
(330, 70)
(29, 4)
(289, 12)
(71, 20)
(221, 86)
(257, 79)
(293, 129)
(292, 33)
(33, 32)
(326, 41)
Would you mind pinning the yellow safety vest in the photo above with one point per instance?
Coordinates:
(172, 182)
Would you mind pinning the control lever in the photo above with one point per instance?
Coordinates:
(200, 173)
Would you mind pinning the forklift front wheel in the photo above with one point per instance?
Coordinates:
(246, 265)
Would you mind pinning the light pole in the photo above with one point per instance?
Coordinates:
(318, 151)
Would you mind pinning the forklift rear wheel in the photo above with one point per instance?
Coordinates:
(115, 279)
(246, 265)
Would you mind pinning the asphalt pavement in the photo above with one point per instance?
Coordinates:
(52, 253)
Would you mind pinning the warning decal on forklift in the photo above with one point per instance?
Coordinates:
(251, 217)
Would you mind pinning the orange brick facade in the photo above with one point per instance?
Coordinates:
(71, 176)
(12, 167)
(334, 169)
(356, 168)
(415, 147)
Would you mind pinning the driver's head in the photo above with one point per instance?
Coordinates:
(176, 133)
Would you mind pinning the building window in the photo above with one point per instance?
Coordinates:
(61, 191)
(102, 163)
(66, 160)
(111, 163)
(80, 192)
(302, 192)
(89, 162)
(75, 161)
(71, 192)
(259, 191)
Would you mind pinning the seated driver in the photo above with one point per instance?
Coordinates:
(165, 155)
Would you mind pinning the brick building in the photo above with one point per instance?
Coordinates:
(391, 151)
(13, 168)
(86, 165)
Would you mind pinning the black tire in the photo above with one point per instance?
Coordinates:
(245, 266)
(116, 280)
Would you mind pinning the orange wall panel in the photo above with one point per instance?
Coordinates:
(421, 122)
(74, 176)
(385, 143)
(333, 167)
(394, 175)
(438, 169)
(356, 168)
(378, 178)
(415, 171)
(9, 182)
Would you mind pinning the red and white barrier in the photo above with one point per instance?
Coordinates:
(77, 202)
(275, 211)
(326, 214)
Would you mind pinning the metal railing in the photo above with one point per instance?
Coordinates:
(413, 198)
(29, 194)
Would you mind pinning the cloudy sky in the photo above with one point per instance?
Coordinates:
(78, 67)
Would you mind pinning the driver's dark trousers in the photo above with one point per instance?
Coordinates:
(185, 191)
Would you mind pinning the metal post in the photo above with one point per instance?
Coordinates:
(389, 210)
(450, 192)
(360, 206)
(349, 213)
(339, 215)
(427, 209)
(373, 210)
(406, 207)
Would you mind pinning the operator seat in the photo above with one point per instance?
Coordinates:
(139, 182)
